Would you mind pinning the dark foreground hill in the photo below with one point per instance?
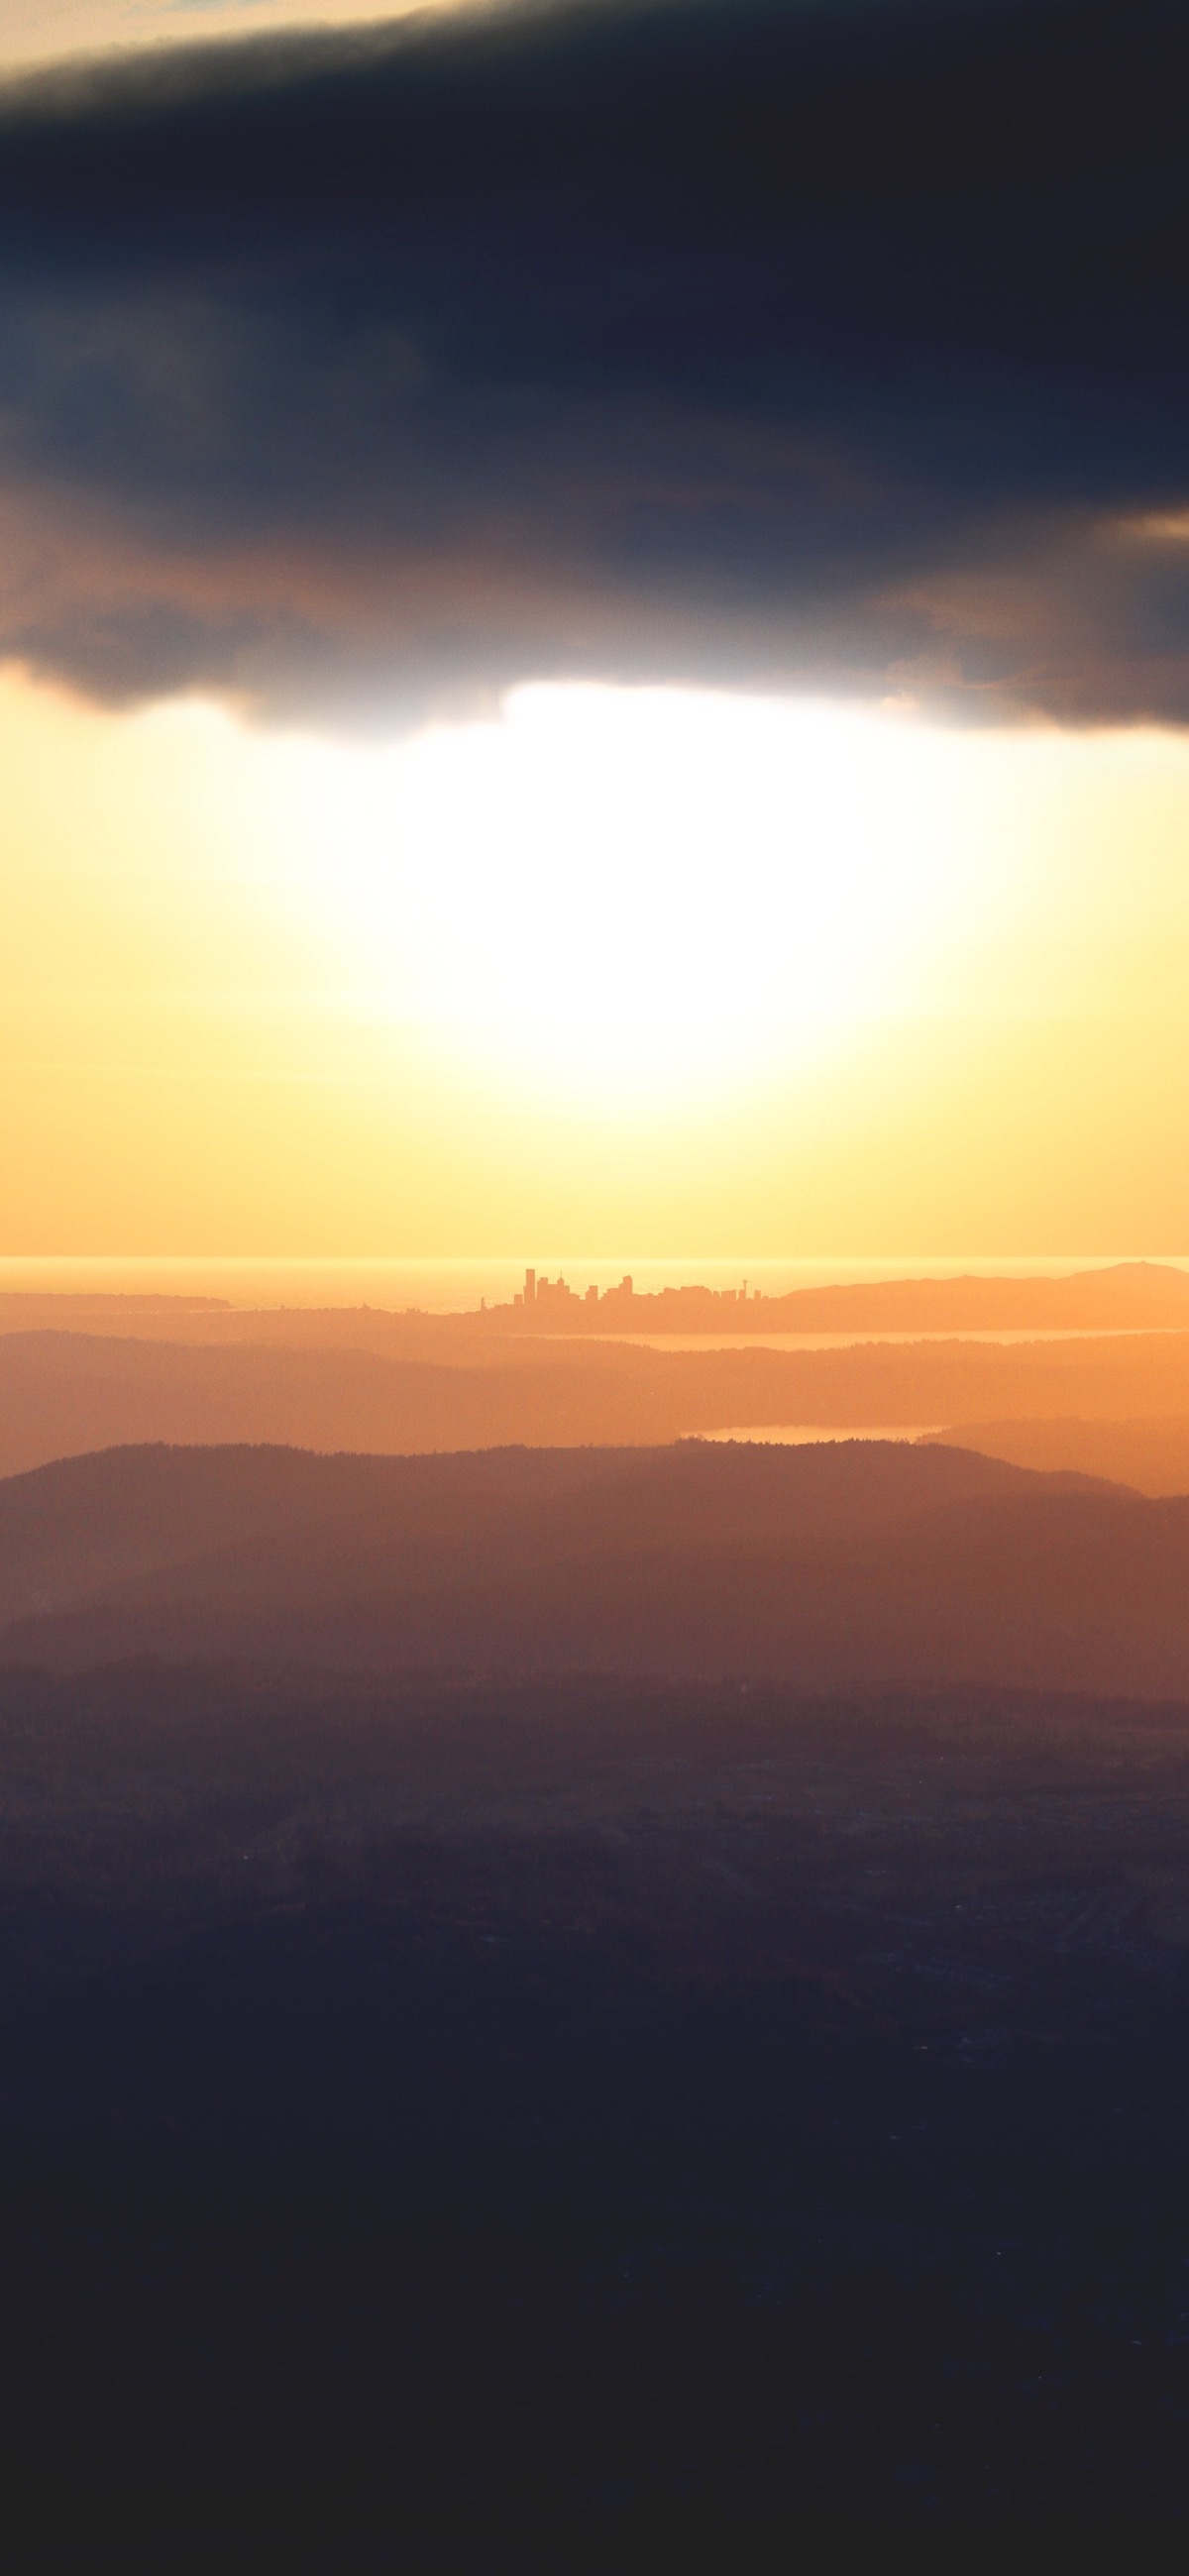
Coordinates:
(588, 2127)
(855, 1564)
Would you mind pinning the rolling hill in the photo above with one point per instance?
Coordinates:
(844, 1565)
(64, 1393)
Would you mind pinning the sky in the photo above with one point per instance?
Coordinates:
(594, 628)
(34, 33)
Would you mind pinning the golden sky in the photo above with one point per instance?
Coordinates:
(676, 971)
(45, 31)
(443, 387)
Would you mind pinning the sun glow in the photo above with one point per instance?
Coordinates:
(648, 968)
(613, 893)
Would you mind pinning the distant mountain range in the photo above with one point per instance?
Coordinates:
(843, 1565)
(1134, 1296)
(65, 1393)
(1129, 1293)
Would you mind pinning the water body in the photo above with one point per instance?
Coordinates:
(862, 1337)
(803, 1435)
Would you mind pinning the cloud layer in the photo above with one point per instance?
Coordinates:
(825, 342)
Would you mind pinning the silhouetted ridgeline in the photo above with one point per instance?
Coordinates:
(64, 1393)
(853, 1564)
(1151, 1453)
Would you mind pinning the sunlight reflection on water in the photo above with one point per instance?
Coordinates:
(802, 1435)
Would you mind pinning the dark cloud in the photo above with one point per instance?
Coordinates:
(827, 341)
